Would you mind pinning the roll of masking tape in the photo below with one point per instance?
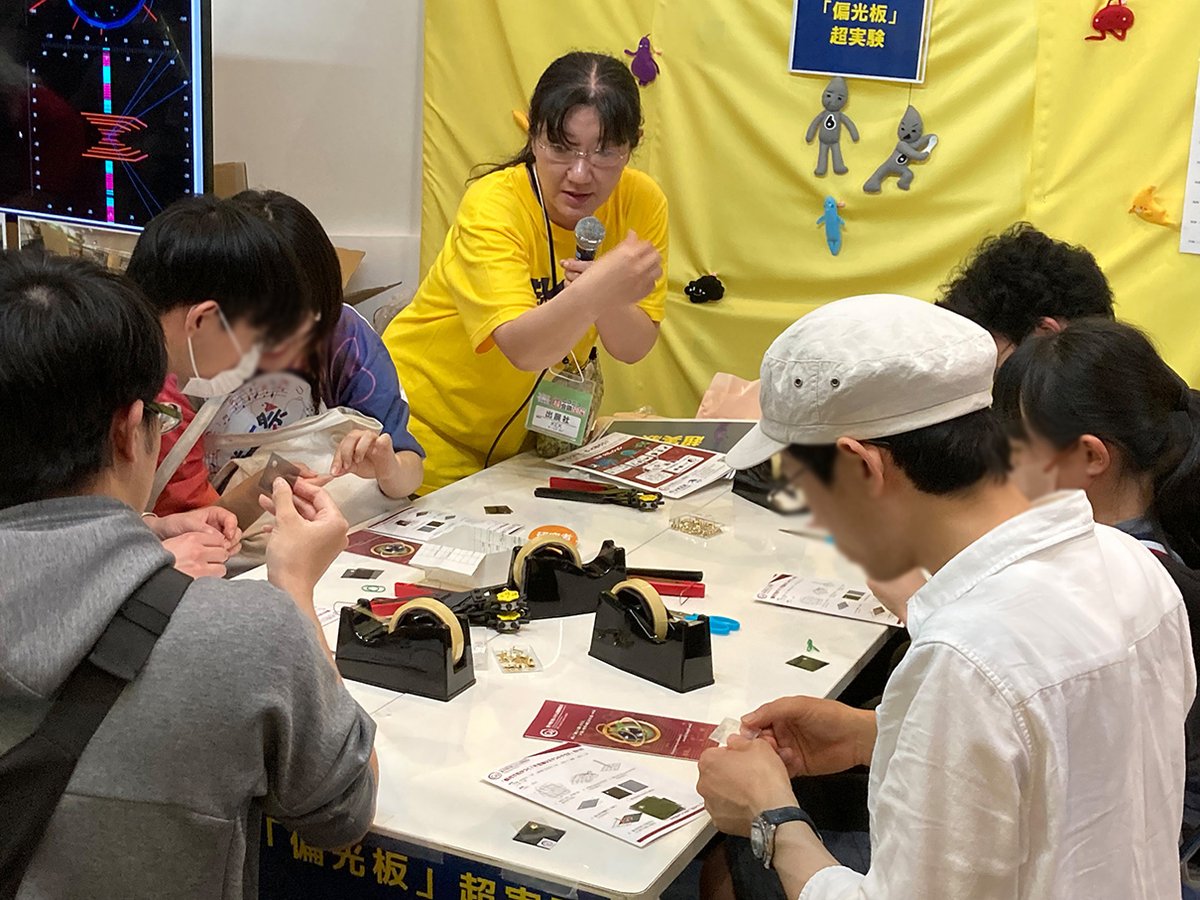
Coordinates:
(546, 544)
(442, 613)
(652, 603)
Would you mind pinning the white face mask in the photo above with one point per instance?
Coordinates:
(229, 380)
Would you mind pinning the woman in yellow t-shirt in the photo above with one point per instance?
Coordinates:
(498, 307)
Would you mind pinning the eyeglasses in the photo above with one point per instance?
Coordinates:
(603, 158)
(168, 416)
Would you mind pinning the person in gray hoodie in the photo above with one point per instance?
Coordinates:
(239, 711)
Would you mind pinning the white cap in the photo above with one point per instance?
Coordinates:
(868, 367)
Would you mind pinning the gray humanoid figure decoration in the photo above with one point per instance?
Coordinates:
(827, 126)
(914, 144)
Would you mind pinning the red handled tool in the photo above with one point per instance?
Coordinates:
(593, 492)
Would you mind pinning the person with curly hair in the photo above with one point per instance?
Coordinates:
(1022, 282)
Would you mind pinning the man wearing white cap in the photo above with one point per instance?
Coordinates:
(1030, 745)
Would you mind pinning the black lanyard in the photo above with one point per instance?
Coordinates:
(556, 285)
(537, 191)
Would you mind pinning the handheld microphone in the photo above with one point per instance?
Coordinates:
(589, 235)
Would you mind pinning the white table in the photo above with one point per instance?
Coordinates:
(433, 755)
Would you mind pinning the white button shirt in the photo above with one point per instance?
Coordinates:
(1031, 742)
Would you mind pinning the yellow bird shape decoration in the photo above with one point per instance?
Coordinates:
(1147, 207)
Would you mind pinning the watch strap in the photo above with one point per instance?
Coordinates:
(771, 819)
(786, 814)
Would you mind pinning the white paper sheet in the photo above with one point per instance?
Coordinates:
(834, 598)
(437, 557)
(1189, 241)
(602, 789)
(428, 525)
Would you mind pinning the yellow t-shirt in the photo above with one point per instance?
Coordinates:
(494, 266)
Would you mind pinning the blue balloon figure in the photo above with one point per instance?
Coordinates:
(833, 225)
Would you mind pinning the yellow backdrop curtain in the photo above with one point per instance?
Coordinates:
(1033, 122)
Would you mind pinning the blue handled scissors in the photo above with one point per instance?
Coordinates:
(718, 624)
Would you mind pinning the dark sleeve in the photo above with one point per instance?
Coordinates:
(363, 377)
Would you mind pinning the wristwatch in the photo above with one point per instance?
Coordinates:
(762, 830)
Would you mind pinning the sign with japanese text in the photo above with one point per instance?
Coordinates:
(886, 41)
(382, 868)
(561, 408)
(670, 469)
(718, 435)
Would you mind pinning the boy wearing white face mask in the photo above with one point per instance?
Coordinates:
(224, 283)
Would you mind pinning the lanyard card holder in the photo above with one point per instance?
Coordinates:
(562, 404)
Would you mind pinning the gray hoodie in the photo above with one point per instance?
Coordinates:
(236, 713)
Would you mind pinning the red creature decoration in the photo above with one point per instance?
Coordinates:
(1115, 18)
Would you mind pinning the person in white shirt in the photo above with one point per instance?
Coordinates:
(1031, 743)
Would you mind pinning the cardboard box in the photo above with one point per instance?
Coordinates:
(349, 260)
(229, 179)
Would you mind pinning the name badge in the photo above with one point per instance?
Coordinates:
(562, 407)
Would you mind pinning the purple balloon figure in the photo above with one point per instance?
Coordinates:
(643, 66)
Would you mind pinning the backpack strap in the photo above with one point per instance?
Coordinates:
(178, 453)
(34, 774)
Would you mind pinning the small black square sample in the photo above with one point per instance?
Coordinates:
(364, 574)
(539, 835)
(618, 793)
(659, 807)
(498, 510)
(807, 663)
